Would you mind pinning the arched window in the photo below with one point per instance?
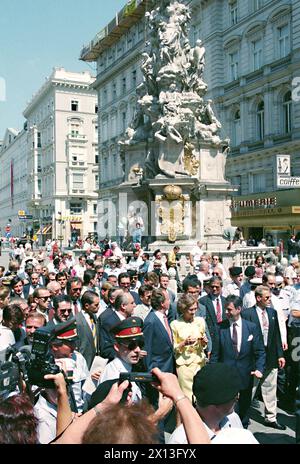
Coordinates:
(260, 117)
(287, 112)
(236, 129)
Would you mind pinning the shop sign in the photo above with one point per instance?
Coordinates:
(262, 212)
(268, 202)
(288, 182)
(283, 165)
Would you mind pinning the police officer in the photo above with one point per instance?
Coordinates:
(63, 347)
(129, 343)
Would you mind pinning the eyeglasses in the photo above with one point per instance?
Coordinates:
(134, 344)
(76, 289)
(44, 298)
(125, 284)
(215, 286)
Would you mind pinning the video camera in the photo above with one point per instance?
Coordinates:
(9, 376)
(42, 361)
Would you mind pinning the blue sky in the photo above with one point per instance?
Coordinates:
(37, 35)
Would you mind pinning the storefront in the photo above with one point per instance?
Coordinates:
(76, 228)
(44, 233)
(273, 216)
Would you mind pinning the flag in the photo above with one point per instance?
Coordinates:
(12, 182)
(129, 8)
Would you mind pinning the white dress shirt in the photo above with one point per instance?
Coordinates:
(160, 316)
(112, 371)
(231, 432)
(265, 334)
(214, 301)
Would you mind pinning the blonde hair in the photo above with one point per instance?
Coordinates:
(185, 302)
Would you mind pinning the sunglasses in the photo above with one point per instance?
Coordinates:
(45, 298)
(134, 344)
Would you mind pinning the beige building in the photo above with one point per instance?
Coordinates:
(62, 158)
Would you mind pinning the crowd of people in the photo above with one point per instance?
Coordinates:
(217, 342)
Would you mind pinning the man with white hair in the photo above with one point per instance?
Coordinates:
(204, 271)
(70, 261)
(290, 272)
(117, 252)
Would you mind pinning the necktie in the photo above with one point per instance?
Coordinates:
(75, 307)
(219, 310)
(235, 338)
(265, 323)
(168, 328)
(93, 329)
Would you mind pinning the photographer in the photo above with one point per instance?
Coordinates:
(73, 364)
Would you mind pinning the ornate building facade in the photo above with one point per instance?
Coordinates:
(252, 66)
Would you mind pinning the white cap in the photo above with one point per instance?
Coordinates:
(256, 281)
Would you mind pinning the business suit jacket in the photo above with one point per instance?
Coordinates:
(251, 356)
(211, 318)
(273, 349)
(105, 322)
(86, 345)
(158, 345)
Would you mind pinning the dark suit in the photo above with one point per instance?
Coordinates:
(273, 351)
(160, 354)
(86, 344)
(251, 357)
(24, 294)
(274, 346)
(158, 345)
(105, 322)
(211, 318)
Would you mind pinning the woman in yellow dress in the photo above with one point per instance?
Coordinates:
(189, 342)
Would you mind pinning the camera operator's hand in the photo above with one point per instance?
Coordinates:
(116, 393)
(168, 384)
(59, 381)
(143, 354)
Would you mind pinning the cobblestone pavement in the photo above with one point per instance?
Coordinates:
(267, 435)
